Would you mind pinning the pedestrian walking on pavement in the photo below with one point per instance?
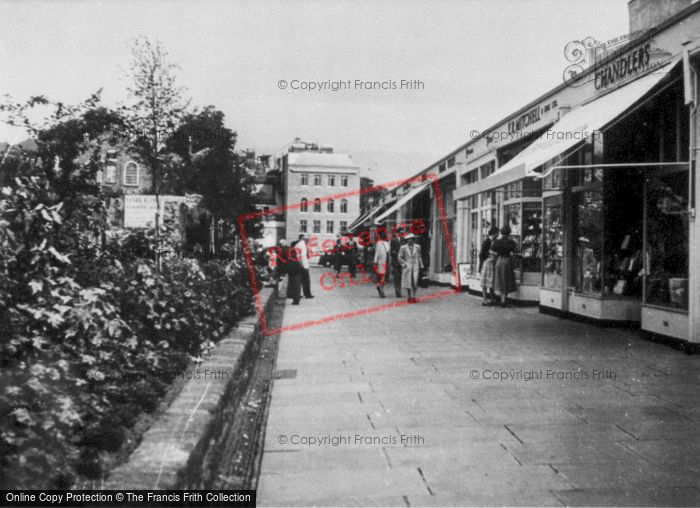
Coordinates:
(486, 255)
(351, 256)
(294, 272)
(338, 256)
(487, 276)
(504, 277)
(411, 260)
(486, 245)
(381, 262)
(303, 251)
(394, 248)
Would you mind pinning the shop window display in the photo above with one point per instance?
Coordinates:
(530, 246)
(624, 190)
(474, 244)
(553, 242)
(489, 212)
(514, 220)
(666, 269)
(553, 181)
(588, 239)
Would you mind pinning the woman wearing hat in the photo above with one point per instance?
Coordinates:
(504, 276)
(411, 261)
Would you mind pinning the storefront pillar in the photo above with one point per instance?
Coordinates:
(694, 231)
(694, 264)
(692, 95)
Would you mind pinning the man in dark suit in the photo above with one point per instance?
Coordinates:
(394, 247)
(351, 253)
(295, 271)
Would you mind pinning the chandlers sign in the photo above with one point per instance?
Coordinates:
(525, 120)
(629, 63)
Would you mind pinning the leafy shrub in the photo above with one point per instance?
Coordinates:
(91, 338)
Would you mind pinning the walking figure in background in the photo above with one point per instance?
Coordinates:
(394, 248)
(486, 255)
(351, 256)
(303, 252)
(294, 271)
(504, 279)
(411, 260)
(339, 256)
(488, 272)
(381, 262)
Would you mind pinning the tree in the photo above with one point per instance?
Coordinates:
(213, 169)
(61, 136)
(153, 112)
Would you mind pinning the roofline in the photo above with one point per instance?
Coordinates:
(649, 33)
(290, 166)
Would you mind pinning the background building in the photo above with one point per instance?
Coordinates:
(310, 175)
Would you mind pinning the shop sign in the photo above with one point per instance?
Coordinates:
(140, 209)
(612, 63)
(525, 120)
(464, 269)
(626, 66)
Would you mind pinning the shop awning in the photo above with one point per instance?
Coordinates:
(361, 219)
(573, 128)
(364, 218)
(403, 200)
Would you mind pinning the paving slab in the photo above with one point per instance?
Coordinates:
(405, 410)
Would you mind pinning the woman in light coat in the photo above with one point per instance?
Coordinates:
(381, 263)
(411, 261)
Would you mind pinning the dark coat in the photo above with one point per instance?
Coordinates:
(484, 252)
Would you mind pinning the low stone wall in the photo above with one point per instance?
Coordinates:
(172, 450)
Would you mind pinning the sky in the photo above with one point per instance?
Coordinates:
(476, 61)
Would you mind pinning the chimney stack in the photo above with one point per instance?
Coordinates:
(646, 14)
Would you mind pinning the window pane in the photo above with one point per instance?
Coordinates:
(532, 237)
(667, 240)
(588, 237)
(622, 257)
(110, 173)
(131, 174)
(474, 244)
(329, 226)
(553, 246)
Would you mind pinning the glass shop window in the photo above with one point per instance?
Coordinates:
(622, 256)
(531, 243)
(552, 242)
(588, 241)
(667, 248)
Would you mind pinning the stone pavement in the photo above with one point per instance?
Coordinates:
(405, 408)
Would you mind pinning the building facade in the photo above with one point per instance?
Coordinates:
(321, 191)
(597, 181)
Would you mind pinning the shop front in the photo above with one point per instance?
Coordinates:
(495, 199)
(615, 206)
